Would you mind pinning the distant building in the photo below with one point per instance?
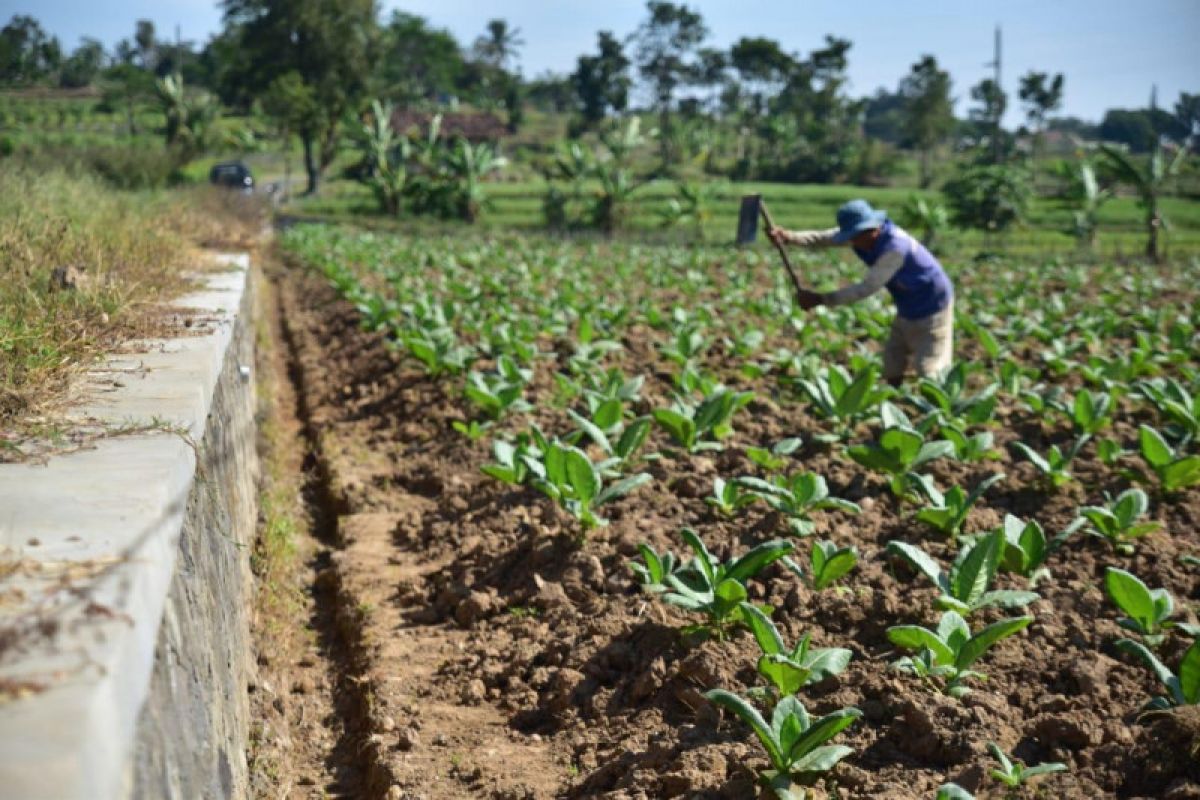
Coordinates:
(474, 127)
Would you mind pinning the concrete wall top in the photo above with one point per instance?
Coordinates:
(88, 543)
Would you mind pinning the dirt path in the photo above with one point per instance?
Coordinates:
(355, 699)
(303, 729)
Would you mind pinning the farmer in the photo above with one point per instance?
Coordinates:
(923, 331)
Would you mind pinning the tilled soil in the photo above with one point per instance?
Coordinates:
(503, 657)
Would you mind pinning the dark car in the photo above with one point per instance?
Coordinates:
(232, 175)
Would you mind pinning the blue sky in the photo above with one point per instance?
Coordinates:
(1111, 51)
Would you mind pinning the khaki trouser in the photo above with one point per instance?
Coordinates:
(928, 343)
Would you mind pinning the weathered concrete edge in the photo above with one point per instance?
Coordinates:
(120, 514)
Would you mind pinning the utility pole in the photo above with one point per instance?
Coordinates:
(995, 64)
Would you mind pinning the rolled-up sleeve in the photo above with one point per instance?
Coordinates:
(876, 278)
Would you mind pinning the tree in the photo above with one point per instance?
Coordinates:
(883, 116)
(328, 43)
(417, 62)
(126, 86)
(1187, 112)
(928, 111)
(763, 68)
(83, 66)
(551, 92)
(1149, 182)
(666, 44)
(601, 82)
(499, 45)
(993, 102)
(147, 46)
(1084, 196)
(1130, 128)
(988, 197)
(1041, 94)
(27, 54)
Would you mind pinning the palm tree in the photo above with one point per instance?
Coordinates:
(1148, 182)
(500, 44)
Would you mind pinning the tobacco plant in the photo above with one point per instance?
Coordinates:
(899, 452)
(1149, 610)
(970, 447)
(1183, 688)
(795, 743)
(843, 399)
(775, 458)
(796, 497)
(1118, 521)
(829, 562)
(790, 669)
(1025, 549)
(1015, 774)
(705, 584)
(964, 588)
(700, 427)
(730, 496)
(1054, 467)
(948, 512)
(1179, 407)
(1172, 470)
(947, 399)
(948, 652)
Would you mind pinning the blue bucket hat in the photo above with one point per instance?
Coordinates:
(855, 217)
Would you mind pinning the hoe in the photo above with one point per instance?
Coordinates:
(752, 208)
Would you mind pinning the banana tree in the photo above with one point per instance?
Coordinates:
(467, 165)
(1084, 197)
(1148, 182)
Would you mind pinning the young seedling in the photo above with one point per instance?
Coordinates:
(964, 588)
(971, 448)
(796, 497)
(899, 452)
(654, 569)
(952, 791)
(1091, 412)
(948, 512)
(1182, 689)
(790, 669)
(498, 394)
(1015, 774)
(775, 458)
(569, 477)
(1118, 521)
(1177, 405)
(730, 496)
(1025, 549)
(701, 428)
(1148, 610)
(1109, 451)
(830, 562)
(947, 398)
(842, 399)
(795, 744)
(706, 585)
(607, 424)
(948, 652)
(1173, 471)
(473, 429)
(1055, 465)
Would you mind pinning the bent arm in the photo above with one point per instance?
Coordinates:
(811, 238)
(877, 277)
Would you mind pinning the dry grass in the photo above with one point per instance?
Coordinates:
(129, 252)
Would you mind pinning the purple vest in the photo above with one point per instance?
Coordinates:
(921, 287)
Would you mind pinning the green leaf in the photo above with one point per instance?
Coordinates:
(608, 414)
(1131, 596)
(970, 577)
(784, 674)
(952, 791)
(581, 475)
(764, 630)
(838, 565)
(705, 559)
(904, 443)
(914, 637)
(594, 433)
(1189, 674)
(822, 759)
(851, 401)
(632, 438)
(978, 644)
(1181, 474)
(679, 427)
(1155, 449)
(755, 559)
(1164, 675)
(822, 731)
(654, 566)
(728, 595)
(623, 487)
(919, 559)
(749, 715)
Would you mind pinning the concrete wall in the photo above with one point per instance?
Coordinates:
(128, 638)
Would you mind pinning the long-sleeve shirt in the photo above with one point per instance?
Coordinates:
(876, 278)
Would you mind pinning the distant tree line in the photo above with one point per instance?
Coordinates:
(310, 65)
